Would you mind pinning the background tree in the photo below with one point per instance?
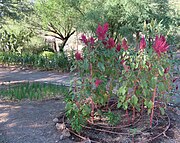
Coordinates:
(126, 17)
(58, 18)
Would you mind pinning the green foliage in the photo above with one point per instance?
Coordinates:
(14, 9)
(58, 19)
(33, 91)
(58, 61)
(14, 42)
(126, 17)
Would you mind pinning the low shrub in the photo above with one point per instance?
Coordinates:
(45, 60)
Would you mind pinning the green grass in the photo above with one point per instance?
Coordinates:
(32, 91)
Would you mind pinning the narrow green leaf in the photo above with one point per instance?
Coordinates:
(161, 70)
(162, 110)
(101, 66)
(86, 64)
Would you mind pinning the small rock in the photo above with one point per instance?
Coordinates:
(177, 111)
(60, 126)
(66, 133)
(55, 120)
(61, 137)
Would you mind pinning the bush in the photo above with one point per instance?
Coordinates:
(115, 73)
(45, 61)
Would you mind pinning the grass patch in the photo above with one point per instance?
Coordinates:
(32, 91)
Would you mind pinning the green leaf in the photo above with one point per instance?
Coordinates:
(162, 110)
(86, 64)
(119, 105)
(153, 82)
(125, 105)
(134, 99)
(150, 104)
(161, 87)
(161, 70)
(101, 66)
(122, 98)
(122, 90)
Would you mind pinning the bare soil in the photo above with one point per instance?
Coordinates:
(30, 121)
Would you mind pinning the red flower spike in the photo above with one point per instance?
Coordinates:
(101, 31)
(91, 40)
(104, 43)
(160, 45)
(118, 48)
(106, 27)
(110, 43)
(166, 70)
(97, 82)
(78, 56)
(142, 43)
(122, 62)
(84, 39)
(124, 44)
(175, 79)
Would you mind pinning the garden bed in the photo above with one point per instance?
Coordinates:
(165, 129)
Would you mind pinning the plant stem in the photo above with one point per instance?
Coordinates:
(152, 111)
(134, 114)
(127, 115)
(142, 107)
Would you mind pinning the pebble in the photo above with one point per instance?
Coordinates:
(177, 111)
(55, 120)
(66, 133)
(60, 126)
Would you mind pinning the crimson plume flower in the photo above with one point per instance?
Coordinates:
(91, 40)
(84, 39)
(110, 43)
(142, 43)
(98, 82)
(124, 44)
(101, 31)
(160, 45)
(78, 56)
(118, 47)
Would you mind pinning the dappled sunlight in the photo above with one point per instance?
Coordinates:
(3, 117)
(11, 125)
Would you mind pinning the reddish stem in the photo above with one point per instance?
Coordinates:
(142, 107)
(127, 116)
(92, 110)
(134, 114)
(152, 111)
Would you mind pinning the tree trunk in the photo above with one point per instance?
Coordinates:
(61, 49)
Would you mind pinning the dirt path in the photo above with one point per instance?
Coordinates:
(13, 74)
(30, 122)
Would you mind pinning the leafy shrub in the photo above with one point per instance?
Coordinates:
(11, 41)
(46, 60)
(116, 73)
